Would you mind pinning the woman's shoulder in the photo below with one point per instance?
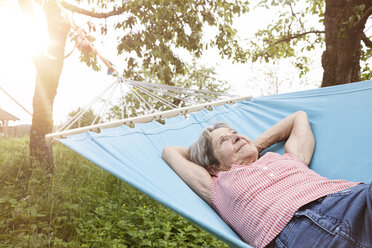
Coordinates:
(273, 156)
(270, 156)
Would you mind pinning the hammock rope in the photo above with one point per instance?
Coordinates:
(14, 100)
(62, 133)
(138, 89)
(82, 111)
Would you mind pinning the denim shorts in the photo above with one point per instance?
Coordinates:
(339, 220)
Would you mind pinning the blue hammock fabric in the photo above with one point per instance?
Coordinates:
(340, 116)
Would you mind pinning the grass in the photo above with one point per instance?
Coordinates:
(81, 206)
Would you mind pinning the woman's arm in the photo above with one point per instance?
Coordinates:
(195, 176)
(296, 130)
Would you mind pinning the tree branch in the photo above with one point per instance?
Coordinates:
(288, 38)
(82, 11)
(295, 15)
(366, 40)
(362, 21)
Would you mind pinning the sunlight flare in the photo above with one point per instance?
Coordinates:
(23, 34)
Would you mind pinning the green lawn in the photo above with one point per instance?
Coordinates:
(81, 206)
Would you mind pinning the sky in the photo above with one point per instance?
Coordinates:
(23, 36)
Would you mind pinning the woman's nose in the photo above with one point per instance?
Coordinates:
(236, 138)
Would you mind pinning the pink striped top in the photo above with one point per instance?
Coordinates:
(257, 201)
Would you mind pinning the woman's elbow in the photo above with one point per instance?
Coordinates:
(301, 114)
(165, 152)
(169, 151)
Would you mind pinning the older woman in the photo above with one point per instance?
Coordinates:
(274, 200)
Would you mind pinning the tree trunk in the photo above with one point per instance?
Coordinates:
(48, 70)
(341, 59)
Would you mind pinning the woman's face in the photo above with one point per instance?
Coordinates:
(232, 148)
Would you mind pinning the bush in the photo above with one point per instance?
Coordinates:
(82, 206)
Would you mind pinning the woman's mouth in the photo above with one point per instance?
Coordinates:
(241, 146)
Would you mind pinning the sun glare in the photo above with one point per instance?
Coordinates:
(22, 34)
(21, 37)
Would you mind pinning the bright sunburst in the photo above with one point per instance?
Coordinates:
(21, 37)
(21, 34)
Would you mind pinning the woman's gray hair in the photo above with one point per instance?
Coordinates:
(201, 151)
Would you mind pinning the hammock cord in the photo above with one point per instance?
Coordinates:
(82, 111)
(164, 101)
(142, 101)
(106, 101)
(125, 102)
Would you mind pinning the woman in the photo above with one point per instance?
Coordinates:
(274, 200)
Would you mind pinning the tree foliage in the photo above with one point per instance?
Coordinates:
(153, 33)
(302, 26)
(87, 119)
(366, 55)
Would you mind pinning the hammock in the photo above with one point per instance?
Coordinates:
(340, 116)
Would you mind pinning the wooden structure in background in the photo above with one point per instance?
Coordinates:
(5, 117)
